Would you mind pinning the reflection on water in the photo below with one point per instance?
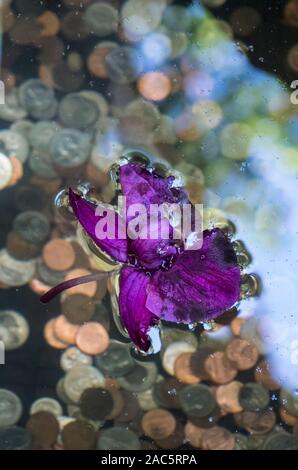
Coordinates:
(168, 81)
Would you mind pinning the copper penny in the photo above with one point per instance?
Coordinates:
(78, 435)
(88, 289)
(49, 23)
(44, 428)
(158, 424)
(256, 422)
(194, 434)
(92, 338)
(51, 51)
(183, 370)
(264, 376)
(218, 438)
(50, 337)
(243, 353)
(96, 60)
(154, 85)
(78, 308)
(227, 397)
(291, 13)
(58, 254)
(65, 331)
(219, 368)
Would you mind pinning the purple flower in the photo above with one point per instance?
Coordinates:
(159, 279)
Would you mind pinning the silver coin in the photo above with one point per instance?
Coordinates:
(73, 357)
(12, 110)
(46, 404)
(116, 361)
(124, 64)
(118, 438)
(70, 148)
(99, 100)
(32, 226)
(141, 378)
(80, 378)
(14, 438)
(15, 273)
(41, 133)
(6, 170)
(146, 112)
(14, 144)
(11, 408)
(170, 335)
(14, 329)
(146, 400)
(41, 164)
(178, 18)
(140, 17)
(101, 19)
(38, 99)
(77, 111)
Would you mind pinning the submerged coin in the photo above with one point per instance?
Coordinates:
(11, 408)
(146, 400)
(241, 441)
(194, 434)
(12, 110)
(13, 272)
(65, 331)
(78, 435)
(58, 254)
(158, 424)
(183, 370)
(123, 64)
(140, 378)
(77, 111)
(197, 400)
(78, 308)
(96, 60)
(218, 438)
(243, 353)
(80, 378)
(280, 440)
(227, 397)
(130, 407)
(92, 338)
(101, 19)
(33, 226)
(73, 357)
(14, 329)
(38, 99)
(118, 438)
(166, 393)
(116, 361)
(96, 403)
(50, 336)
(69, 148)
(14, 438)
(44, 428)
(260, 422)
(264, 376)
(46, 404)
(18, 248)
(253, 397)
(219, 368)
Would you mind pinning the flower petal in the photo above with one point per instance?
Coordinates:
(141, 186)
(136, 318)
(200, 285)
(85, 211)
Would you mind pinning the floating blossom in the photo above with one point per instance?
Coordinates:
(160, 279)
